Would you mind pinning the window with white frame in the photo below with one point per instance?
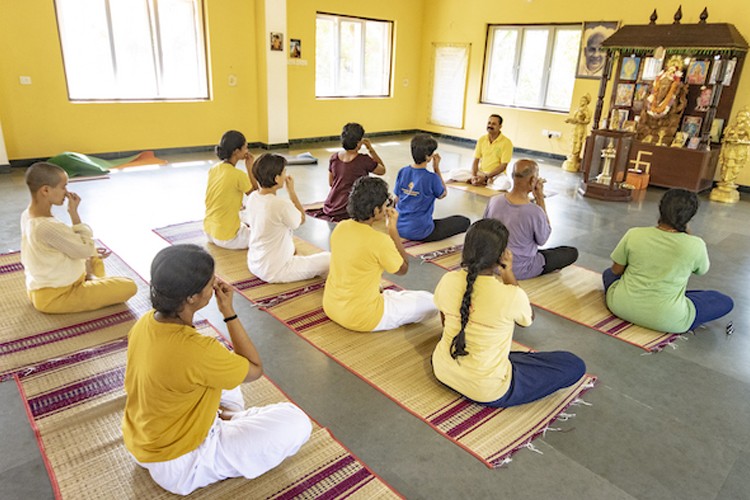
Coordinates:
(531, 66)
(352, 56)
(133, 49)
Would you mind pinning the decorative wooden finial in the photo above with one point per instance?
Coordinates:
(678, 15)
(704, 15)
(654, 17)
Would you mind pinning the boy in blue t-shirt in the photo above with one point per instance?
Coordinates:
(417, 189)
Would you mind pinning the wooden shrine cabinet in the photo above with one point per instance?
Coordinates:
(673, 87)
(605, 161)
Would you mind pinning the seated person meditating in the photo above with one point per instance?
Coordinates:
(417, 189)
(359, 255)
(224, 193)
(647, 282)
(64, 270)
(185, 419)
(347, 166)
(528, 224)
(270, 253)
(479, 305)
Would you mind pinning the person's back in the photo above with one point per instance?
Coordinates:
(647, 283)
(480, 304)
(528, 228)
(651, 292)
(528, 224)
(359, 255)
(484, 374)
(271, 252)
(417, 189)
(345, 167)
(225, 190)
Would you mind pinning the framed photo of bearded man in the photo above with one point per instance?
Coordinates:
(591, 56)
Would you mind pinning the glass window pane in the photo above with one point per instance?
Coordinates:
(532, 66)
(84, 35)
(183, 63)
(134, 51)
(500, 85)
(563, 69)
(325, 56)
(350, 57)
(377, 58)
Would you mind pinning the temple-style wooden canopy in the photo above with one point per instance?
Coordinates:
(700, 38)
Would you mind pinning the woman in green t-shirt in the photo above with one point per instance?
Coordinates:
(647, 282)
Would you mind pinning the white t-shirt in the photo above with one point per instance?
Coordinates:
(54, 254)
(272, 221)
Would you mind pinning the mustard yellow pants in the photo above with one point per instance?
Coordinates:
(83, 295)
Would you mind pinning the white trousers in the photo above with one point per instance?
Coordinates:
(239, 242)
(299, 267)
(255, 441)
(404, 307)
(500, 183)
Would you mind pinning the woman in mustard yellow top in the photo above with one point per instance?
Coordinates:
(480, 304)
(224, 192)
(185, 418)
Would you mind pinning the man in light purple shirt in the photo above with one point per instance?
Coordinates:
(528, 224)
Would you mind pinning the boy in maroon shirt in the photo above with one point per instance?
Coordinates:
(347, 166)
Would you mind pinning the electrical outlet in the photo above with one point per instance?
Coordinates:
(554, 134)
(545, 132)
(24, 80)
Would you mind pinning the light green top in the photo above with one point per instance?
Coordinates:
(651, 292)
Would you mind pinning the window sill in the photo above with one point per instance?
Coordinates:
(137, 101)
(331, 98)
(526, 108)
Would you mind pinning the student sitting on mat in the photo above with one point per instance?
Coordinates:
(185, 419)
(64, 270)
(347, 166)
(528, 224)
(359, 255)
(224, 193)
(651, 267)
(417, 189)
(479, 305)
(270, 254)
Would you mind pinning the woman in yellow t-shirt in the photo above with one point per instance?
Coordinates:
(224, 193)
(480, 305)
(185, 419)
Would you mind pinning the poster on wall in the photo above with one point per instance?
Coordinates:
(295, 48)
(277, 42)
(591, 56)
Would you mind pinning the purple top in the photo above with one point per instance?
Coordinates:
(344, 175)
(528, 228)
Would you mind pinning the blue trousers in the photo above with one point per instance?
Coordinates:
(539, 374)
(709, 304)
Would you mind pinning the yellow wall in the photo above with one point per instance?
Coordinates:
(311, 117)
(38, 120)
(449, 23)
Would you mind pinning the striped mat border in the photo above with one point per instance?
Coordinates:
(28, 336)
(397, 363)
(575, 293)
(75, 405)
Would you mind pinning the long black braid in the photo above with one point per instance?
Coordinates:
(485, 242)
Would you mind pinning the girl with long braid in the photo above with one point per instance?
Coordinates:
(479, 306)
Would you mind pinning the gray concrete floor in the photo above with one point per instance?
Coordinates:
(665, 425)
